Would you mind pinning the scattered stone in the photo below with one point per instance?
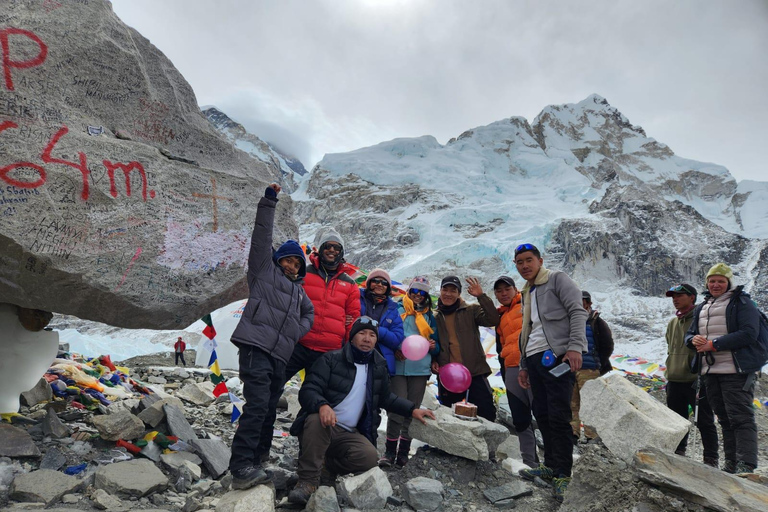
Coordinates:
(423, 493)
(133, 478)
(120, 425)
(215, 454)
(324, 499)
(152, 451)
(511, 490)
(129, 404)
(283, 479)
(199, 393)
(53, 459)
(40, 393)
(505, 504)
(105, 501)
(43, 486)
(112, 456)
(256, 499)
(293, 404)
(368, 490)
(394, 501)
(513, 465)
(16, 442)
(510, 448)
(627, 418)
(178, 424)
(462, 438)
(157, 380)
(70, 499)
(53, 426)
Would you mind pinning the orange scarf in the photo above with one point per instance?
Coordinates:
(421, 322)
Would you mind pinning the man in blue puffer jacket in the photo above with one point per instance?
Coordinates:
(376, 302)
(277, 314)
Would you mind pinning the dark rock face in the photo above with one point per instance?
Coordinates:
(120, 203)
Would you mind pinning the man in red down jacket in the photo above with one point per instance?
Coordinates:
(336, 299)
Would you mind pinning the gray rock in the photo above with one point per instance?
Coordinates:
(368, 490)
(505, 504)
(152, 451)
(423, 493)
(133, 478)
(199, 393)
(53, 459)
(511, 490)
(256, 499)
(65, 218)
(105, 501)
(324, 499)
(153, 415)
(175, 459)
(53, 426)
(627, 418)
(463, 438)
(16, 442)
(178, 424)
(129, 404)
(120, 425)
(510, 448)
(40, 393)
(43, 486)
(70, 499)
(157, 380)
(111, 456)
(215, 454)
(282, 478)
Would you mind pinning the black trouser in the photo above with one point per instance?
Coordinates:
(681, 395)
(552, 408)
(733, 406)
(480, 394)
(302, 359)
(180, 355)
(263, 377)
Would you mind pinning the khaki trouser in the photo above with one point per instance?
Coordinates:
(342, 451)
(582, 376)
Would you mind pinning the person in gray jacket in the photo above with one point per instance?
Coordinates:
(277, 314)
(553, 333)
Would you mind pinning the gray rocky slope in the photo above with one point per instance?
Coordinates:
(119, 201)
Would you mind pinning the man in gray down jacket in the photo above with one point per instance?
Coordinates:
(277, 314)
(553, 333)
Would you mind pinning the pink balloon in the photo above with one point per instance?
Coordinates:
(415, 347)
(455, 377)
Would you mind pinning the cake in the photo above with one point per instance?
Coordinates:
(465, 409)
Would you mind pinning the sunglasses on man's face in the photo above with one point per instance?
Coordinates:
(335, 247)
(414, 291)
(380, 282)
(368, 320)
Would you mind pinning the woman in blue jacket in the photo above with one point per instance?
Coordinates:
(376, 302)
(410, 378)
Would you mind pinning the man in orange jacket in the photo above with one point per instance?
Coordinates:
(507, 337)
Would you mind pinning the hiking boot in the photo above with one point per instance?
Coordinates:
(743, 468)
(390, 449)
(680, 452)
(711, 461)
(729, 466)
(247, 477)
(542, 472)
(302, 492)
(559, 486)
(402, 452)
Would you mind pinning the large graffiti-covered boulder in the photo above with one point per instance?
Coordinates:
(119, 202)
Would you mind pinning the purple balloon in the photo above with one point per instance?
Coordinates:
(415, 347)
(455, 377)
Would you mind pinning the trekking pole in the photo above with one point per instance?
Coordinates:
(696, 403)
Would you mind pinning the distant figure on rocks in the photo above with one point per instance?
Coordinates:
(335, 297)
(553, 333)
(596, 361)
(681, 392)
(457, 327)
(340, 403)
(508, 337)
(277, 314)
(179, 347)
(724, 332)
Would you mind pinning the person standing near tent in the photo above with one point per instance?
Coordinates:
(508, 337)
(179, 347)
(277, 314)
(410, 378)
(681, 393)
(457, 327)
(335, 297)
(724, 332)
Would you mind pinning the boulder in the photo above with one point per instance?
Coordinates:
(324, 499)
(178, 424)
(256, 499)
(215, 454)
(199, 393)
(133, 478)
(100, 226)
(120, 425)
(627, 418)
(43, 486)
(423, 493)
(40, 393)
(368, 490)
(15, 442)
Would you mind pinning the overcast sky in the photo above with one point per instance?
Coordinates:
(326, 76)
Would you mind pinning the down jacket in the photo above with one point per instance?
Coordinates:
(334, 297)
(330, 381)
(278, 311)
(508, 331)
(390, 331)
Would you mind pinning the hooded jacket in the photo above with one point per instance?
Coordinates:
(278, 311)
(467, 319)
(508, 331)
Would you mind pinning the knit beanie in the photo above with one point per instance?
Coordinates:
(292, 248)
(329, 235)
(364, 322)
(420, 283)
(721, 269)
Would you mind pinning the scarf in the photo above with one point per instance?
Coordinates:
(359, 356)
(447, 310)
(419, 316)
(681, 314)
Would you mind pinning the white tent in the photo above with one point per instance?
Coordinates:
(224, 321)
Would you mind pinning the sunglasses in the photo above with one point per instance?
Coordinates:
(525, 247)
(376, 280)
(334, 247)
(414, 291)
(368, 320)
(682, 289)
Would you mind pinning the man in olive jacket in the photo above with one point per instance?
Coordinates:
(681, 392)
(457, 324)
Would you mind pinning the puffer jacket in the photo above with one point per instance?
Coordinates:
(390, 330)
(422, 366)
(508, 331)
(600, 347)
(334, 298)
(742, 319)
(679, 357)
(278, 311)
(468, 318)
(330, 381)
